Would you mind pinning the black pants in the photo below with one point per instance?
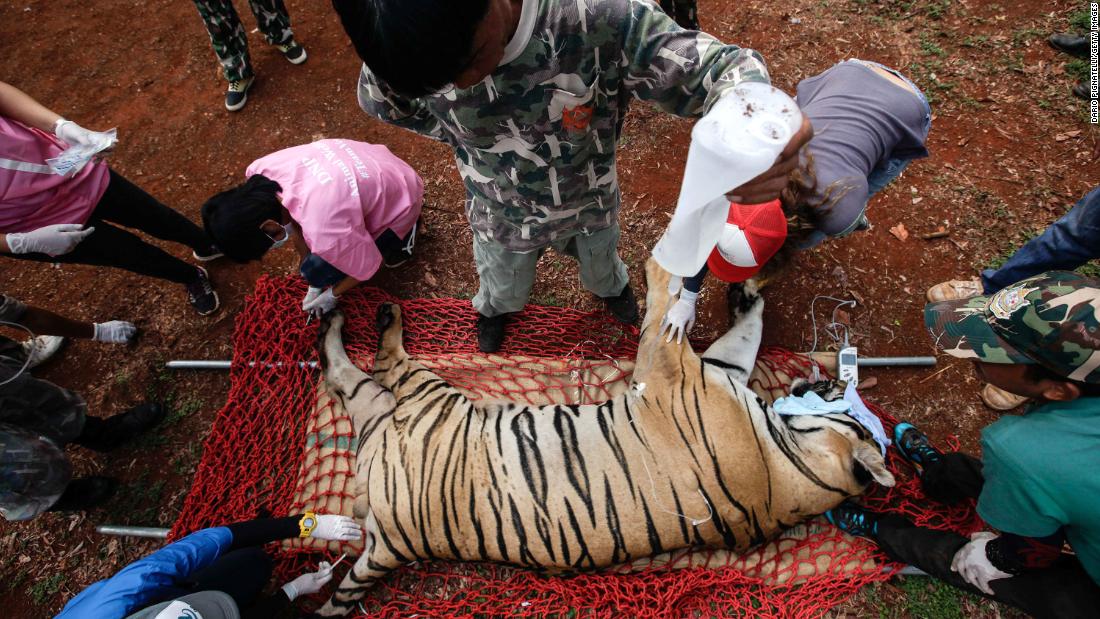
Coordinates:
(128, 205)
(1063, 590)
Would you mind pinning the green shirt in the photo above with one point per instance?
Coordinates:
(1042, 473)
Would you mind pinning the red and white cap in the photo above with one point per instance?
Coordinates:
(751, 236)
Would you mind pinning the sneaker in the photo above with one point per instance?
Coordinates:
(201, 294)
(624, 307)
(237, 95)
(401, 255)
(41, 348)
(914, 445)
(954, 290)
(85, 493)
(1071, 44)
(1000, 400)
(108, 434)
(210, 253)
(490, 332)
(853, 519)
(293, 52)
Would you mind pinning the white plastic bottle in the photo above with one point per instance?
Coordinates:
(738, 139)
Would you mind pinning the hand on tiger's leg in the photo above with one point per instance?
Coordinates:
(735, 352)
(375, 563)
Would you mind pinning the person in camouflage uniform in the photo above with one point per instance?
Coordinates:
(230, 41)
(37, 419)
(1068, 243)
(1036, 481)
(532, 99)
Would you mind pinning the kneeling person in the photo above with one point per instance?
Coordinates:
(348, 207)
(1036, 482)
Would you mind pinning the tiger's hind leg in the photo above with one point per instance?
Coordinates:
(391, 360)
(374, 564)
(735, 352)
(341, 375)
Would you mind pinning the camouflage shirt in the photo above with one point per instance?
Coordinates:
(535, 140)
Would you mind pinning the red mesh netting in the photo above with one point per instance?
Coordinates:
(274, 450)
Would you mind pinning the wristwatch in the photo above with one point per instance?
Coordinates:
(307, 524)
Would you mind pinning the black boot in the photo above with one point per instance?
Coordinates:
(490, 332)
(1070, 44)
(623, 306)
(107, 434)
(85, 493)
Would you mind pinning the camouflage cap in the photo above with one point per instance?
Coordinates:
(1051, 319)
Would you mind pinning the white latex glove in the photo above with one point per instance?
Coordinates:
(52, 240)
(319, 303)
(310, 582)
(680, 317)
(973, 565)
(74, 135)
(337, 528)
(114, 332)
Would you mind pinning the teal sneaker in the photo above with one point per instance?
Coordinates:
(853, 519)
(915, 446)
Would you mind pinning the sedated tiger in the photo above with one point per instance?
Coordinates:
(689, 456)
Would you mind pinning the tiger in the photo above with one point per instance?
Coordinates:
(687, 457)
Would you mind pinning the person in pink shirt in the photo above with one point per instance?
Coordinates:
(348, 207)
(49, 217)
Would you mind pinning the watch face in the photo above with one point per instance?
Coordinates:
(308, 522)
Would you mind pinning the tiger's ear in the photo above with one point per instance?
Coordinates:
(873, 464)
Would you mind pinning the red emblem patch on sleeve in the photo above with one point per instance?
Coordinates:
(576, 118)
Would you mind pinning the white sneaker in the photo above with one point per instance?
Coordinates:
(42, 348)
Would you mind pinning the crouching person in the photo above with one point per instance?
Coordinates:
(215, 573)
(38, 418)
(1036, 482)
(348, 208)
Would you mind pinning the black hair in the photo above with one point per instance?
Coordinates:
(233, 217)
(415, 46)
(1038, 373)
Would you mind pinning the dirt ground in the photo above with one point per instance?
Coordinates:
(1010, 153)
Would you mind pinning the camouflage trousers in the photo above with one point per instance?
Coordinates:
(229, 37)
(37, 418)
(506, 277)
(683, 12)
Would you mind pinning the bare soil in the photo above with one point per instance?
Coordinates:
(1010, 152)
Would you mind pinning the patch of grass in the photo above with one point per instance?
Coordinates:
(928, 598)
(180, 408)
(122, 379)
(1079, 20)
(1078, 69)
(929, 47)
(1027, 34)
(936, 10)
(975, 41)
(45, 589)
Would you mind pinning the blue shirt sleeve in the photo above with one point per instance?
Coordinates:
(143, 581)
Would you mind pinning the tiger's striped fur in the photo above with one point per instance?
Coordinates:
(689, 456)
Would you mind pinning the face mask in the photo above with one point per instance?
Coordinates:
(277, 243)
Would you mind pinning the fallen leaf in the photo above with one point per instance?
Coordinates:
(867, 383)
(430, 279)
(900, 232)
(1062, 137)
